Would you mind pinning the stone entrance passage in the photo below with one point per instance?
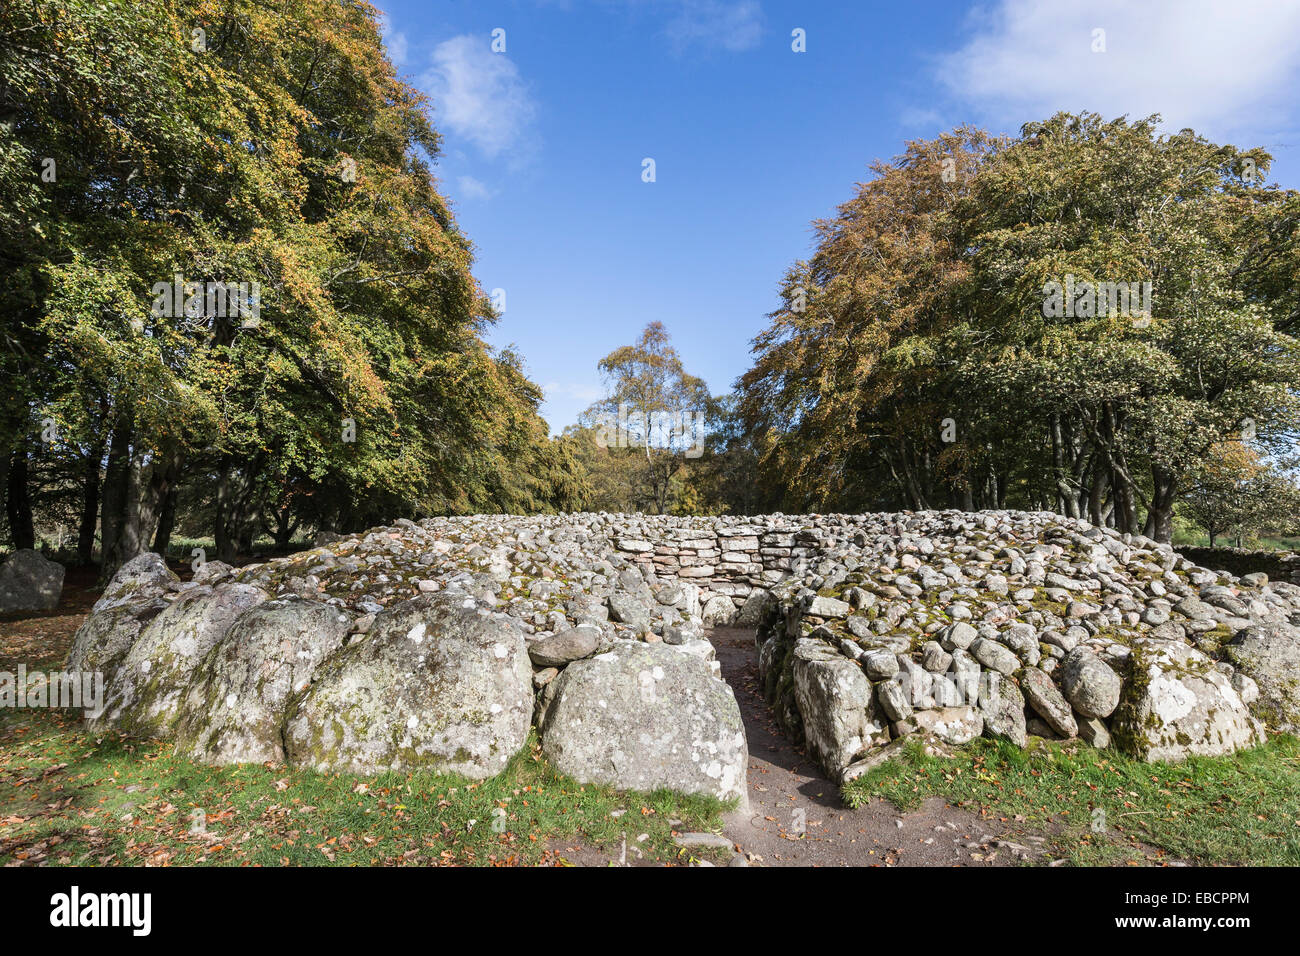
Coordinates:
(795, 816)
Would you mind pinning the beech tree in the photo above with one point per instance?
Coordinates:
(271, 147)
(963, 339)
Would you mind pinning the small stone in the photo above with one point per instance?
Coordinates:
(880, 665)
(559, 649)
(1094, 732)
(893, 700)
(994, 656)
(829, 607)
(934, 658)
(1047, 701)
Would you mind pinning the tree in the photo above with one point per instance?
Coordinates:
(655, 407)
(1234, 493)
(839, 403)
(269, 148)
(967, 333)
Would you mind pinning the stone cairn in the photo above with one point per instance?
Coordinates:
(439, 644)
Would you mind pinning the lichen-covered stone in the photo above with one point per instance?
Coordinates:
(235, 706)
(1090, 685)
(434, 684)
(146, 694)
(1048, 702)
(104, 638)
(719, 611)
(1270, 656)
(29, 581)
(1176, 704)
(1003, 708)
(145, 575)
(952, 725)
(644, 717)
(838, 705)
(565, 647)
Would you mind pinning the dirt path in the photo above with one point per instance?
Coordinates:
(788, 793)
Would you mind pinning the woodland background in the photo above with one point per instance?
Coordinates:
(909, 365)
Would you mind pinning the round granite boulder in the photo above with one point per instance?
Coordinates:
(29, 581)
(148, 690)
(1176, 704)
(144, 576)
(104, 638)
(1270, 655)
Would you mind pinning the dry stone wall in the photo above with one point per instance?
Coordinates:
(440, 643)
(1278, 565)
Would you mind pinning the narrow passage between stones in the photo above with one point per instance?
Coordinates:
(796, 817)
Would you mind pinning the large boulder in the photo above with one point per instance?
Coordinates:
(144, 576)
(104, 638)
(645, 717)
(1090, 684)
(838, 704)
(1177, 704)
(146, 694)
(235, 707)
(435, 684)
(1270, 655)
(29, 581)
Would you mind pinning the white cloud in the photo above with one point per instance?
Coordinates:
(478, 94)
(395, 40)
(1207, 64)
(735, 25)
(472, 188)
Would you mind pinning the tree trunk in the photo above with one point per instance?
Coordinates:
(89, 507)
(282, 531)
(1160, 516)
(166, 522)
(18, 504)
(225, 546)
(137, 499)
(113, 505)
(1097, 493)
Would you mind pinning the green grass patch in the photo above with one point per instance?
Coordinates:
(1099, 807)
(72, 799)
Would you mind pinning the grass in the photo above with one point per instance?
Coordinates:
(69, 798)
(75, 800)
(1099, 807)
(1195, 538)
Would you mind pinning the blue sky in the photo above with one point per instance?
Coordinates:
(544, 143)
